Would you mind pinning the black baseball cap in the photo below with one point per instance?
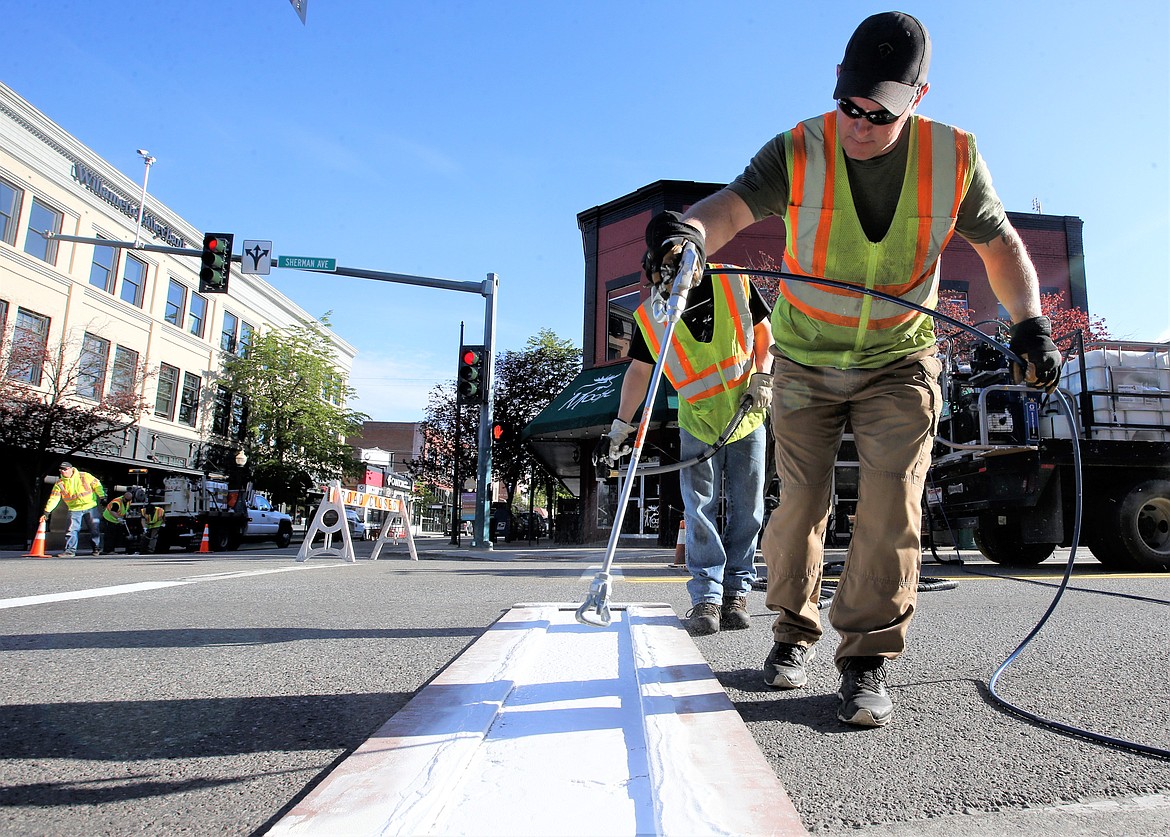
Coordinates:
(65, 466)
(886, 60)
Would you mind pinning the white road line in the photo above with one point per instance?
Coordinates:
(119, 589)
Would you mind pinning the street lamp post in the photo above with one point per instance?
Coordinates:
(149, 160)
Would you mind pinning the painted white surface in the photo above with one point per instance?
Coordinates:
(548, 727)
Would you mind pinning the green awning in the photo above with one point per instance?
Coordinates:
(581, 413)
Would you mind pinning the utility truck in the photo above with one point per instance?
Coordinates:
(229, 514)
(1004, 465)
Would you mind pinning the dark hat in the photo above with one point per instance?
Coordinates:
(886, 60)
(65, 465)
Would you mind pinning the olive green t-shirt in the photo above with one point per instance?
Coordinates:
(876, 185)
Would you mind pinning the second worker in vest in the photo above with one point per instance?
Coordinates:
(114, 528)
(718, 354)
(870, 193)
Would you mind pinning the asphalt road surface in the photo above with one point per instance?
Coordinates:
(204, 694)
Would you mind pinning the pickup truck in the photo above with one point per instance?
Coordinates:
(266, 523)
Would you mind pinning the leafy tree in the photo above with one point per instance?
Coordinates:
(295, 424)
(43, 419)
(526, 382)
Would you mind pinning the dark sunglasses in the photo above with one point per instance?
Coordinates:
(875, 117)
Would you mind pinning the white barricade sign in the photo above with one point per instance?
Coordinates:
(397, 508)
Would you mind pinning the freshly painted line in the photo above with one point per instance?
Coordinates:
(138, 587)
(545, 726)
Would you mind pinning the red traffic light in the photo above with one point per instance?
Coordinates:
(212, 244)
(470, 357)
(497, 431)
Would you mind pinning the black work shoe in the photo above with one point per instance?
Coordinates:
(864, 700)
(702, 619)
(733, 616)
(785, 667)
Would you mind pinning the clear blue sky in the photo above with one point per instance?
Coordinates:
(453, 139)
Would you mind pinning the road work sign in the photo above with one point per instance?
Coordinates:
(306, 263)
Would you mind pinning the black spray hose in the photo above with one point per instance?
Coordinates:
(1066, 407)
(745, 406)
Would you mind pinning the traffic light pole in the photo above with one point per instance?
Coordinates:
(488, 289)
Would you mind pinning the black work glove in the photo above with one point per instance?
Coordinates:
(1032, 342)
(666, 234)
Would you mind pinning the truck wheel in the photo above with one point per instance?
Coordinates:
(1138, 526)
(1002, 544)
(219, 539)
(284, 536)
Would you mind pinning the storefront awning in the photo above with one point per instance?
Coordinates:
(580, 414)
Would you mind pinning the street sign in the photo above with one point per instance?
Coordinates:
(256, 258)
(306, 263)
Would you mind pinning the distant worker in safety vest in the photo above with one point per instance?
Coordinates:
(81, 493)
(153, 520)
(114, 529)
(718, 355)
(870, 193)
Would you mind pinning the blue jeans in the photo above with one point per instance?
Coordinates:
(75, 521)
(722, 564)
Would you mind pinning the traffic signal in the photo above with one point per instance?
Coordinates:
(471, 375)
(497, 431)
(216, 266)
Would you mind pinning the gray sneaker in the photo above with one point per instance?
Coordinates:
(864, 700)
(67, 554)
(733, 616)
(702, 619)
(786, 665)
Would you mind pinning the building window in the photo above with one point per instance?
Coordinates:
(227, 335)
(176, 302)
(125, 371)
(197, 316)
(95, 359)
(134, 281)
(245, 340)
(9, 211)
(620, 327)
(43, 219)
(239, 420)
(31, 334)
(189, 403)
(104, 267)
(222, 415)
(168, 385)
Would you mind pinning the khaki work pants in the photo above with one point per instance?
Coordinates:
(894, 414)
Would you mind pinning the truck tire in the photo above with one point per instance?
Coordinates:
(1137, 525)
(220, 539)
(1002, 543)
(284, 535)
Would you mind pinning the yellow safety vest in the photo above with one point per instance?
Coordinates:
(77, 491)
(711, 378)
(115, 510)
(821, 326)
(154, 520)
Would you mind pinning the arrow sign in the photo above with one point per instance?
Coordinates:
(306, 263)
(257, 257)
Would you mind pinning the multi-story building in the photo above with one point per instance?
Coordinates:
(118, 312)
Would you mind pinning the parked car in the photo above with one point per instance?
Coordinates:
(529, 526)
(357, 529)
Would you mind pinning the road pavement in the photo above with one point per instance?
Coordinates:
(205, 694)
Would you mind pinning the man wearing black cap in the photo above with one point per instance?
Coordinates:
(870, 193)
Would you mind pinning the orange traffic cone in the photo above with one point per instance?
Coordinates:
(38, 544)
(680, 546)
(205, 545)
